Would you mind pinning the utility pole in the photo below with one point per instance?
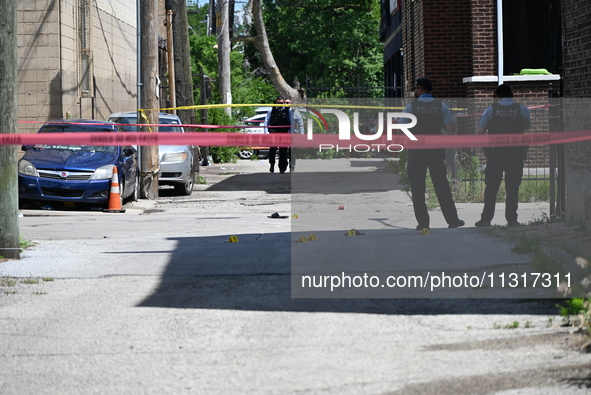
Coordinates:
(203, 101)
(170, 51)
(184, 77)
(9, 227)
(231, 8)
(212, 19)
(224, 56)
(149, 72)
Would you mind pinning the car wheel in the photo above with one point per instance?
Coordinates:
(185, 188)
(136, 188)
(245, 154)
(121, 191)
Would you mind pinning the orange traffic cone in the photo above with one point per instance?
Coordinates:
(114, 195)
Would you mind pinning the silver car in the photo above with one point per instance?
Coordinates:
(177, 162)
(256, 124)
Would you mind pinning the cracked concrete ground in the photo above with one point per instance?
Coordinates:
(158, 301)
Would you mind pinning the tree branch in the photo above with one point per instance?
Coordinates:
(262, 46)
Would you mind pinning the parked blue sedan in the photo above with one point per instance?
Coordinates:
(73, 174)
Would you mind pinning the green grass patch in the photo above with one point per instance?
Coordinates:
(468, 186)
(24, 244)
(7, 282)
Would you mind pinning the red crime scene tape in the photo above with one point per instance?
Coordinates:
(291, 140)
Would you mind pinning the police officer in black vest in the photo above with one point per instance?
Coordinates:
(279, 117)
(506, 116)
(432, 115)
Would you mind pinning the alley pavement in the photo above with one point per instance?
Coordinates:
(195, 295)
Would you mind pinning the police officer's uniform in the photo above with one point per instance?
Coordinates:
(503, 117)
(291, 124)
(283, 126)
(432, 115)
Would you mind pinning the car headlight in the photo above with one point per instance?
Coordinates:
(103, 173)
(27, 168)
(174, 157)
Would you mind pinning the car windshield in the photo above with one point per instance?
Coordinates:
(76, 128)
(130, 124)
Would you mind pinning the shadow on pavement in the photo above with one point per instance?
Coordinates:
(272, 293)
(311, 182)
(346, 183)
(268, 182)
(255, 273)
(213, 273)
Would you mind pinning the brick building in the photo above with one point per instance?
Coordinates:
(78, 58)
(75, 58)
(455, 43)
(468, 47)
(577, 106)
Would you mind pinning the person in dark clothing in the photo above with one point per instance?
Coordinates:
(506, 116)
(277, 121)
(432, 115)
(283, 119)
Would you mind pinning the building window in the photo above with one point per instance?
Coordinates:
(532, 35)
(394, 6)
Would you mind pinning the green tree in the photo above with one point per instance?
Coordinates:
(248, 87)
(248, 84)
(338, 39)
(325, 38)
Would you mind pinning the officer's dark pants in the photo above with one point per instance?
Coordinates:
(498, 162)
(418, 163)
(292, 158)
(282, 157)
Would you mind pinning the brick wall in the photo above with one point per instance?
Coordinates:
(412, 42)
(533, 94)
(448, 45)
(437, 44)
(484, 37)
(48, 63)
(38, 63)
(577, 66)
(448, 41)
(115, 61)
